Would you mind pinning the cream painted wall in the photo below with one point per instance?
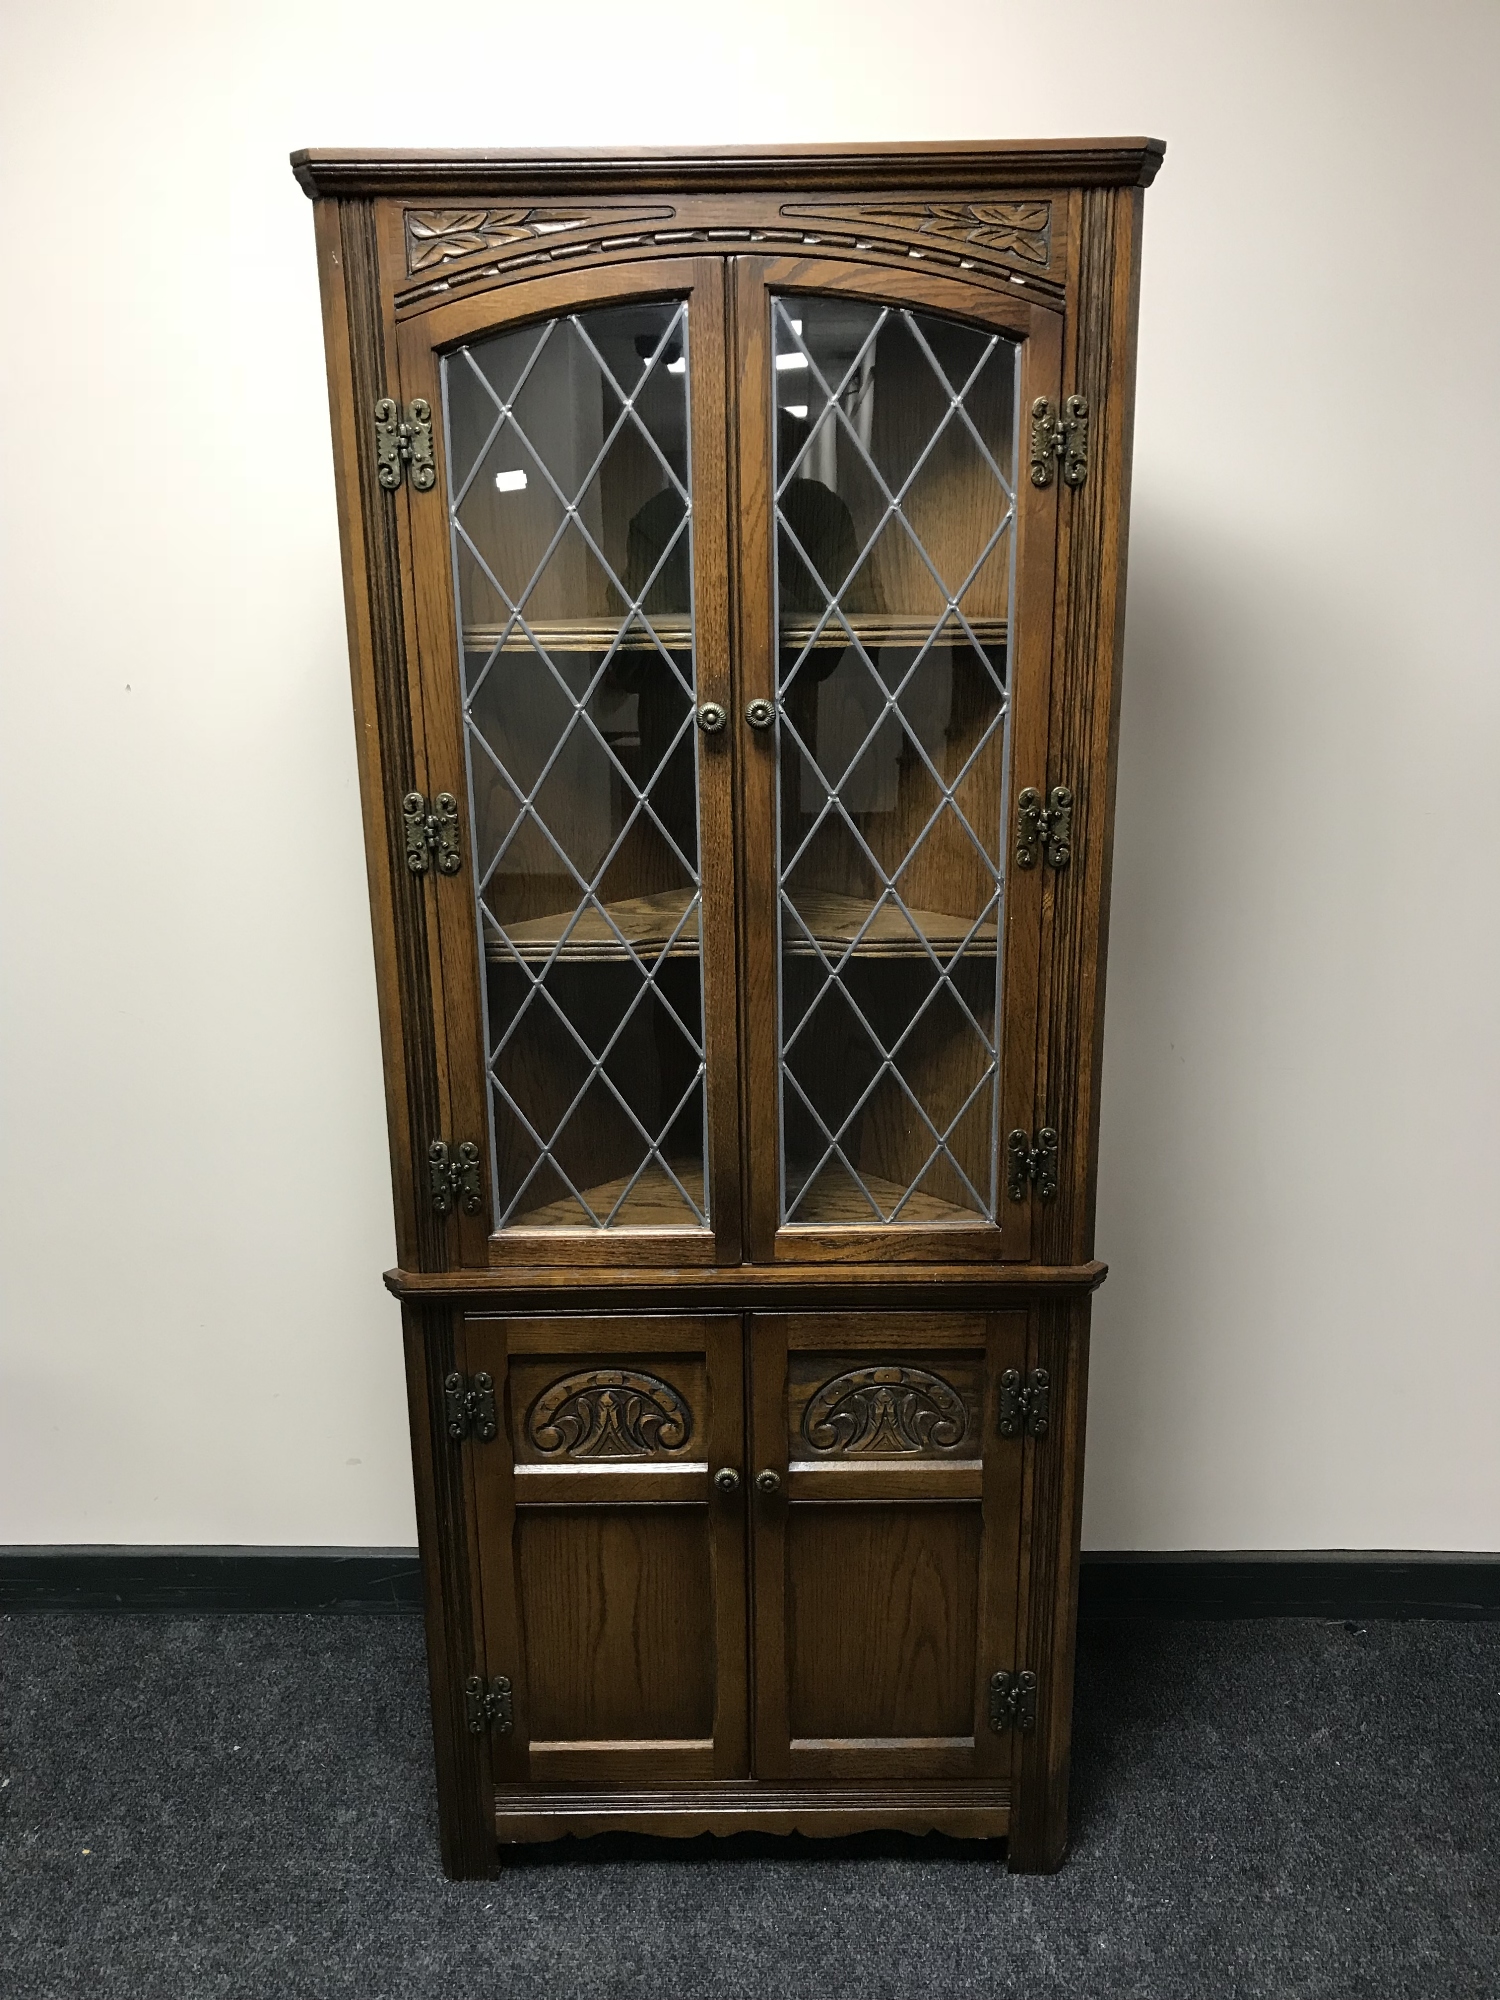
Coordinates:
(1301, 1150)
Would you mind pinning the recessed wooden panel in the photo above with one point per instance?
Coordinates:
(617, 1607)
(881, 1609)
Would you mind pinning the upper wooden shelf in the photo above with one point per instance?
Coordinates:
(597, 635)
(646, 922)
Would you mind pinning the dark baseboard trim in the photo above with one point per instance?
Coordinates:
(1292, 1583)
(209, 1579)
(1189, 1583)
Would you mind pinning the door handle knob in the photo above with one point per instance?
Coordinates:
(727, 1479)
(768, 1481)
(760, 714)
(712, 717)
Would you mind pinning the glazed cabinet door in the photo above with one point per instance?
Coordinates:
(895, 644)
(611, 1537)
(886, 1519)
(571, 622)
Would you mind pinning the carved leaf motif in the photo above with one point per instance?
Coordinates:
(438, 235)
(1021, 229)
(884, 1412)
(609, 1413)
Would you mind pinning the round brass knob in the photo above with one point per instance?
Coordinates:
(712, 717)
(768, 1481)
(760, 714)
(727, 1479)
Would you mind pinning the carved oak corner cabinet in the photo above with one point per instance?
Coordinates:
(734, 553)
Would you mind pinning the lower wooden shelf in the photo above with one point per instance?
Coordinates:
(839, 1201)
(653, 1203)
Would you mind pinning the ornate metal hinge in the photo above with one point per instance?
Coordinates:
(488, 1707)
(1064, 436)
(432, 833)
(471, 1407)
(1025, 1405)
(1028, 1165)
(403, 445)
(1044, 828)
(455, 1178)
(1012, 1701)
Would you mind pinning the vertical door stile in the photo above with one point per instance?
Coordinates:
(754, 512)
(767, 1345)
(1027, 889)
(709, 388)
(490, 1484)
(440, 766)
(729, 1552)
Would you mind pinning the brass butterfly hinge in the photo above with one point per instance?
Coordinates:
(1044, 829)
(454, 1176)
(1061, 435)
(1025, 1405)
(403, 445)
(488, 1704)
(1031, 1166)
(431, 833)
(1012, 1701)
(469, 1407)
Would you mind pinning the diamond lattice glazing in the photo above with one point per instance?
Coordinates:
(571, 526)
(894, 517)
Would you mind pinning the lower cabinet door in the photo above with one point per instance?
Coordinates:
(886, 1530)
(612, 1561)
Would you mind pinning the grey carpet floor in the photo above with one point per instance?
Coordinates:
(243, 1806)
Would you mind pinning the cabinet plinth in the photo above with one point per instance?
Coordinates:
(736, 590)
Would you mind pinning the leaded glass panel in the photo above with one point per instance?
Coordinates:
(570, 506)
(895, 472)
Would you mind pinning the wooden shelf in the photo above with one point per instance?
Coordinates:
(594, 635)
(834, 921)
(653, 1203)
(648, 921)
(836, 1201)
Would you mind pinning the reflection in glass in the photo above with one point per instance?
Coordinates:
(569, 485)
(895, 474)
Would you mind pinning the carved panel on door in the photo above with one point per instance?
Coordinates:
(606, 1409)
(888, 1409)
(609, 1413)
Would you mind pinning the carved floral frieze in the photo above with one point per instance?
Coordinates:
(439, 235)
(1014, 229)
